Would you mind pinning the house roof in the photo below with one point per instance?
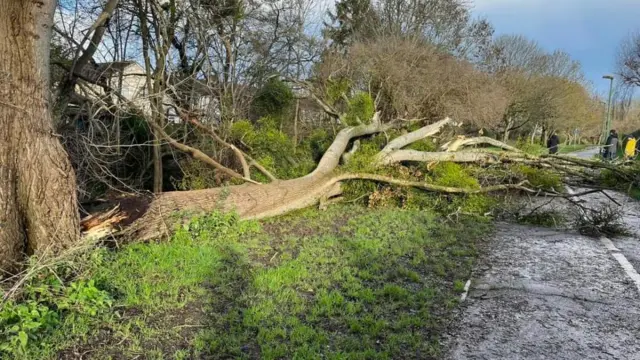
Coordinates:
(98, 71)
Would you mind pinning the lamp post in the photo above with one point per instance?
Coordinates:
(603, 128)
(607, 121)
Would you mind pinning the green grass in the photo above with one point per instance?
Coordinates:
(565, 149)
(347, 283)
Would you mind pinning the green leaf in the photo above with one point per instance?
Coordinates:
(23, 338)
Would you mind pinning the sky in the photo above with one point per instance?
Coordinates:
(589, 30)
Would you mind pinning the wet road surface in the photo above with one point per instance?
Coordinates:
(541, 293)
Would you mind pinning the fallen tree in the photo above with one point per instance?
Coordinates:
(253, 200)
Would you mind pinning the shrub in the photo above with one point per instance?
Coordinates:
(362, 160)
(427, 145)
(387, 196)
(336, 88)
(454, 175)
(241, 129)
(196, 176)
(529, 148)
(274, 98)
(275, 150)
(361, 109)
(318, 142)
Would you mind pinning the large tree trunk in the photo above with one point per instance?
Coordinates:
(38, 208)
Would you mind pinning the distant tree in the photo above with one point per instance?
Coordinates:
(628, 61)
(352, 20)
(447, 24)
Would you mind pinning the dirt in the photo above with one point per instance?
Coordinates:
(541, 293)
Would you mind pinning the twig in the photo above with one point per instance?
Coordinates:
(610, 198)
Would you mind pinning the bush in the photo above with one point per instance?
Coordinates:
(529, 148)
(275, 98)
(318, 142)
(336, 88)
(196, 176)
(275, 150)
(454, 175)
(361, 109)
(241, 129)
(427, 145)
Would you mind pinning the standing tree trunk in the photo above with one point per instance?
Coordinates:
(38, 207)
(507, 129)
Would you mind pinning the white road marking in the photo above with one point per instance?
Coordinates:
(463, 297)
(622, 260)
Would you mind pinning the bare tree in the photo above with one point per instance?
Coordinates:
(628, 60)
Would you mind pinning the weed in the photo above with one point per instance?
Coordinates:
(552, 219)
(459, 286)
(39, 311)
(605, 221)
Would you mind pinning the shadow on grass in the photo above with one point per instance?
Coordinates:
(382, 285)
(347, 283)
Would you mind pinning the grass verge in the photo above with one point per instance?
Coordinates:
(347, 283)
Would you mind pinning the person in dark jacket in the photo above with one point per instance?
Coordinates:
(552, 143)
(611, 147)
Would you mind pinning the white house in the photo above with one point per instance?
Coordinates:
(129, 79)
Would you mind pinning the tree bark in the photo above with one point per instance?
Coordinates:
(459, 143)
(507, 129)
(38, 207)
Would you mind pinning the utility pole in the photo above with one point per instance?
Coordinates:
(607, 125)
(603, 130)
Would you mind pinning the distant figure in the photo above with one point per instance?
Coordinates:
(611, 147)
(630, 148)
(552, 143)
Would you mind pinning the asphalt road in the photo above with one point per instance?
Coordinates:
(540, 293)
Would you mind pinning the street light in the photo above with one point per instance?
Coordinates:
(607, 121)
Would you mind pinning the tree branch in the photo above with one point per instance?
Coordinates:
(331, 157)
(432, 187)
(457, 144)
(83, 57)
(197, 154)
(404, 140)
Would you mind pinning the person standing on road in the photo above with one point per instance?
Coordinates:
(552, 143)
(611, 146)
